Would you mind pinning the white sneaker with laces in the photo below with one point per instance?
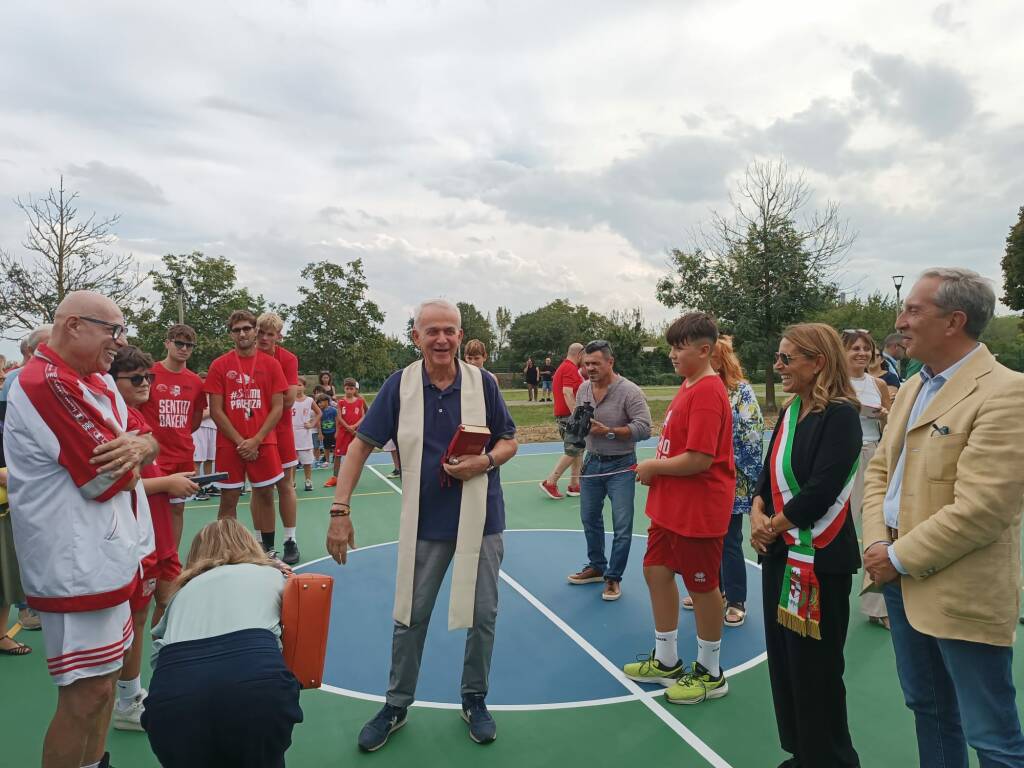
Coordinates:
(130, 718)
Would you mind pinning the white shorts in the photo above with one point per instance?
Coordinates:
(205, 441)
(305, 456)
(86, 644)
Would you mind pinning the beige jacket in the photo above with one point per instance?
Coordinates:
(961, 502)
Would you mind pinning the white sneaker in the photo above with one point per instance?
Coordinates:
(130, 718)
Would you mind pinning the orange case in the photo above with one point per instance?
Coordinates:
(305, 620)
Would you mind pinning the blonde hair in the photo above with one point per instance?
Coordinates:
(732, 371)
(832, 382)
(222, 542)
(270, 321)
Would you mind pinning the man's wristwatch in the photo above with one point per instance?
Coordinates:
(610, 435)
(491, 466)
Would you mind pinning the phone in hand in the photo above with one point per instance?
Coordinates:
(202, 480)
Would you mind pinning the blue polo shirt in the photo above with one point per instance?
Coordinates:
(442, 414)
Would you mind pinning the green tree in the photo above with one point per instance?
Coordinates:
(1013, 265)
(334, 326)
(759, 269)
(211, 294)
(626, 332)
(476, 326)
(875, 314)
(503, 322)
(67, 254)
(550, 330)
(1004, 339)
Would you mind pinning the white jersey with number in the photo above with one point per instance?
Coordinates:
(302, 411)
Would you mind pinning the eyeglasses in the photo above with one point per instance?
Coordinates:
(787, 360)
(137, 379)
(117, 331)
(597, 346)
(243, 329)
(184, 344)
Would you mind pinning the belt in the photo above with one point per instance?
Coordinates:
(894, 533)
(609, 455)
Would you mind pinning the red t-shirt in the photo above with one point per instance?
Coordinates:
(174, 399)
(247, 385)
(698, 506)
(290, 367)
(567, 375)
(351, 411)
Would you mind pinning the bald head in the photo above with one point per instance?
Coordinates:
(88, 330)
(575, 352)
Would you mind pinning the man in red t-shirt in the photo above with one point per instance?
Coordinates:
(268, 334)
(692, 483)
(246, 392)
(564, 383)
(174, 411)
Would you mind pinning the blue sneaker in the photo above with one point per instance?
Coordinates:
(375, 733)
(482, 729)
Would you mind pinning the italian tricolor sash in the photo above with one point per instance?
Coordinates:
(799, 602)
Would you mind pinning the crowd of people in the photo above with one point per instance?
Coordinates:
(103, 447)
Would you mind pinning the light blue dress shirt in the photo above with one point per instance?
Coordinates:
(931, 384)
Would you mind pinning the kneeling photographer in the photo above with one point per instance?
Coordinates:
(619, 419)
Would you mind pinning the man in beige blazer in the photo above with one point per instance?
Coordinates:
(942, 517)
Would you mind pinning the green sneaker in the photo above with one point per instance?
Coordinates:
(695, 686)
(647, 669)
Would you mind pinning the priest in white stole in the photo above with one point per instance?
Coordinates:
(451, 513)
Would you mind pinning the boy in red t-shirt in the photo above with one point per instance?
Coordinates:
(131, 370)
(246, 392)
(692, 483)
(174, 411)
(351, 412)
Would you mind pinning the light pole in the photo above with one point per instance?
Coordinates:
(897, 280)
(180, 285)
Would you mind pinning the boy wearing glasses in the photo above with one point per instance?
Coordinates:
(247, 393)
(174, 411)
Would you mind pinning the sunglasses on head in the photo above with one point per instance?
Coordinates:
(137, 379)
(596, 346)
(183, 344)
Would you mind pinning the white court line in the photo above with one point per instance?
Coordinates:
(638, 693)
(376, 471)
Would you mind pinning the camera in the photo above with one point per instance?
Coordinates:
(577, 429)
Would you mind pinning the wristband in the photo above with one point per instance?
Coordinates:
(490, 462)
(341, 512)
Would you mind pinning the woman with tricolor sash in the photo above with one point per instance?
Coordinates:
(802, 528)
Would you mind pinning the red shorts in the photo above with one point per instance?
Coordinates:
(698, 561)
(143, 594)
(266, 470)
(342, 442)
(286, 443)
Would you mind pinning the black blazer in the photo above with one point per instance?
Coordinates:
(825, 446)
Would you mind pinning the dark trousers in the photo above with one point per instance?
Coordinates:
(734, 566)
(807, 674)
(223, 702)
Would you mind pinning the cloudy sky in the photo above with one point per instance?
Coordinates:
(511, 152)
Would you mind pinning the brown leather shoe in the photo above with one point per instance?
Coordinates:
(587, 575)
(612, 590)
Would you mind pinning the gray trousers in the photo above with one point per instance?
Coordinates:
(432, 561)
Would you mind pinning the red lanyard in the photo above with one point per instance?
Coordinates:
(244, 392)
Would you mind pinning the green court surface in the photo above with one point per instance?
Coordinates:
(737, 730)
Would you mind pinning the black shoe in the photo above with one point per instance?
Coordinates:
(482, 729)
(105, 760)
(396, 473)
(376, 732)
(291, 552)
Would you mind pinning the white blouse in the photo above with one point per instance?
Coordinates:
(868, 394)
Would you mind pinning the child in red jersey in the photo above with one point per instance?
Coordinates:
(692, 483)
(131, 372)
(351, 410)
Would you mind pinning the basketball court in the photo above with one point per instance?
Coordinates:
(556, 690)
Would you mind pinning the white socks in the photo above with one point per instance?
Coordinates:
(127, 690)
(93, 765)
(707, 655)
(289, 533)
(665, 650)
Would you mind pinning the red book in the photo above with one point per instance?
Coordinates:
(468, 440)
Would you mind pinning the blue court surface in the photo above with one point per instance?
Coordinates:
(557, 644)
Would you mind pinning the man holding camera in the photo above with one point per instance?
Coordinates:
(620, 419)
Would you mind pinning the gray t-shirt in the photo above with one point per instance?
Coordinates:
(624, 404)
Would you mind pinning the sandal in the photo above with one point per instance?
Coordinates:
(735, 614)
(19, 649)
(880, 621)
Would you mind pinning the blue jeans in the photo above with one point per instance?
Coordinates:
(955, 687)
(620, 489)
(734, 565)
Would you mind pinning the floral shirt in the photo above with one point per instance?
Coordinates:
(747, 430)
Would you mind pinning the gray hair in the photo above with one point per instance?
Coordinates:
(892, 338)
(443, 303)
(29, 343)
(964, 290)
